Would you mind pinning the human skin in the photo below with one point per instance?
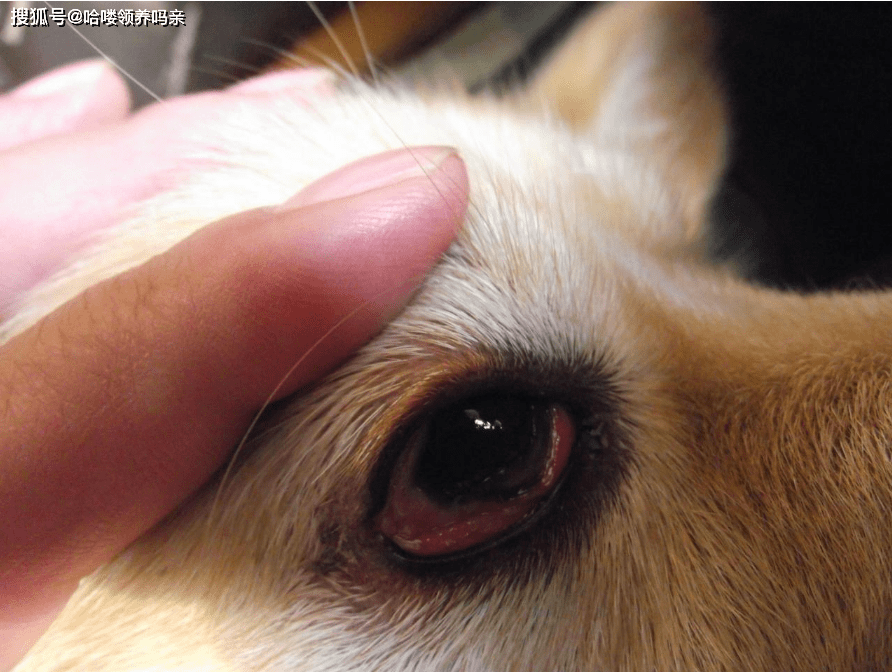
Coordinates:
(118, 405)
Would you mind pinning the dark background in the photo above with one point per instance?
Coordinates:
(811, 92)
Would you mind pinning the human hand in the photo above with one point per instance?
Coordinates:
(117, 406)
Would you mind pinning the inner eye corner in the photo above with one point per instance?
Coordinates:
(471, 472)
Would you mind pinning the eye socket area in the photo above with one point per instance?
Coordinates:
(474, 473)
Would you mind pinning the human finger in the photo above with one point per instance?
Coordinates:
(126, 399)
(75, 97)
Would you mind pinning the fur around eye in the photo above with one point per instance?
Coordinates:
(585, 444)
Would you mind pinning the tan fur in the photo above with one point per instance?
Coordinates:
(750, 530)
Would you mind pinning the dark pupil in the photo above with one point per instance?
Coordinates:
(482, 448)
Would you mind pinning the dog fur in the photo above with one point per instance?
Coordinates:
(731, 487)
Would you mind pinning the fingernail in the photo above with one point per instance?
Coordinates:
(68, 78)
(371, 173)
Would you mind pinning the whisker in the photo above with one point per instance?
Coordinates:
(279, 52)
(222, 75)
(263, 44)
(298, 60)
(471, 205)
(248, 433)
(286, 55)
(227, 474)
(334, 38)
(108, 58)
(268, 47)
(369, 57)
(320, 57)
(244, 67)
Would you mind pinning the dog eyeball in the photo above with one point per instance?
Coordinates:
(474, 473)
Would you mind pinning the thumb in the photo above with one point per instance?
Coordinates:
(126, 399)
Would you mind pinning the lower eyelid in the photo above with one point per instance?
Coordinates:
(420, 526)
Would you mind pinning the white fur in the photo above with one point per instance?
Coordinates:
(532, 273)
(574, 253)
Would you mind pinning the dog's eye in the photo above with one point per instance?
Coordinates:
(474, 473)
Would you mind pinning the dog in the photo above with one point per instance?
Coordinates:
(696, 474)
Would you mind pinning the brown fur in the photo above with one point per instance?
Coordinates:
(728, 509)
